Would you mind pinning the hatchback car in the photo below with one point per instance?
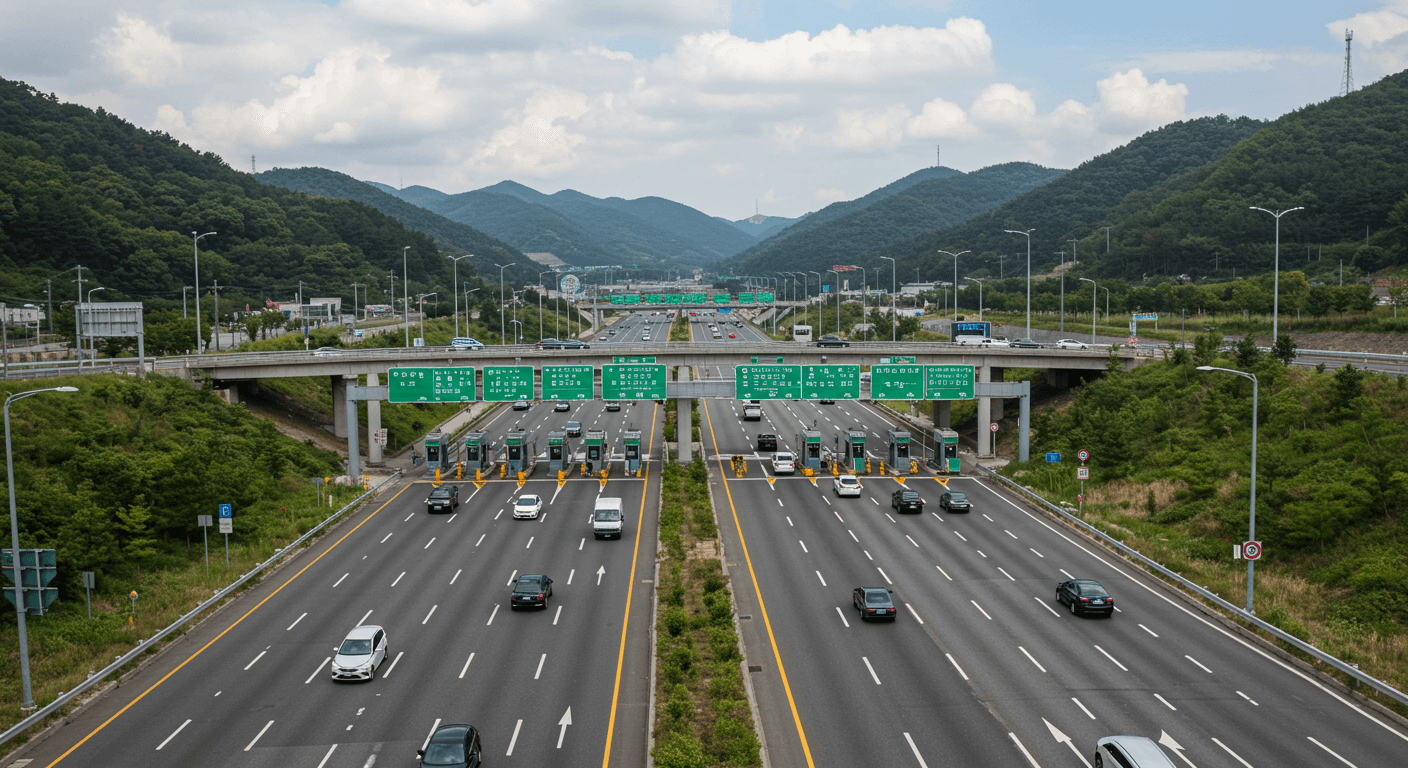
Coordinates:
(783, 464)
(1130, 752)
(1070, 344)
(527, 507)
(847, 485)
(521, 405)
(443, 499)
(362, 652)
(453, 746)
(561, 405)
(613, 405)
(1085, 596)
(767, 442)
(601, 338)
(574, 429)
(531, 590)
(953, 501)
(873, 603)
(905, 500)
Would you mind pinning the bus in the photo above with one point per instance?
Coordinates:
(802, 333)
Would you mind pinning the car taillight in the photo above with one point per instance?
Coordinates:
(1109, 599)
(870, 610)
(1085, 599)
(540, 597)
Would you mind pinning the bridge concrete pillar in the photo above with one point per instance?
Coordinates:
(984, 414)
(999, 405)
(373, 424)
(231, 393)
(684, 422)
(1059, 378)
(941, 415)
(339, 406)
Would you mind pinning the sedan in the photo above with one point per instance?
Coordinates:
(767, 442)
(527, 507)
(783, 464)
(443, 499)
(873, 603)
(731, 336)
(574, 429)
(613, 405)
(561, 405)
(453, 746)
(1026, 344)
(327, 351)
(601, 338)
(905, 500)
(832, 340)
(521, 405)
(361, 653)
(531, 590)
(1085, 596)
(847, 485)
(1070, 344)
(562, 344)
(953, 501)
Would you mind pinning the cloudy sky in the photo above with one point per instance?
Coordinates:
(786, 104)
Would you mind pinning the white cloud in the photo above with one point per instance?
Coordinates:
(1003, 105)
(827, 195)
(1380, 40)
(146, 55)
(1140, 104)
(534, 20)
(539, 143)
(939, 119)
(1210, 61)
(869, 130)
(726, 170)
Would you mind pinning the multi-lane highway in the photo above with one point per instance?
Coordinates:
(983, 666)
(567, 685)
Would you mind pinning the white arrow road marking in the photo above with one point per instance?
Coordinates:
(466, 666)
(564, 722)
(915, 750)
(873, 676)
(188, 722)
(1168, 741)
(271, 722)
(1234, 755)
(600, 571)
(513, 740)
(1057, 735)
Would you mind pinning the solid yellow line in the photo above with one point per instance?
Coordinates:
(777, 656)
(630, 589)
(190, 658)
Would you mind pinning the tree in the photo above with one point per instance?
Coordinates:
(1284, 349)
(1248, 354)
(1205, 348)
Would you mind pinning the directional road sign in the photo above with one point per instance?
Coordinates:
(896, 382)
(768, 382)
(567, 382)
(641, 381)
(430, 385)
(507, 383)
(647, 359)
(763, 297)
(948, 382)
(830, 382)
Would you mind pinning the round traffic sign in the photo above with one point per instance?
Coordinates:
(1133, 341)
(1083, 455)
(569, 284)
(1080, 497)
(1252, 550)
(992, 427)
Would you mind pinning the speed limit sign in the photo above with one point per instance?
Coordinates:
(1251, 550)
(1083, 455)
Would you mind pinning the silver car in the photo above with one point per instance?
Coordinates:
(1069, 344)
(1131, 751)
(527, 507)
(361, 654)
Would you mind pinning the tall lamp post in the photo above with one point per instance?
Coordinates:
(406, 297)
(15, 544)
(955, 282)
(806, 297)
(1094, 291)
(1251, 524)
(421, 297)
(979, 281)
(456, 294)
(837, 286)
(466, 307)
(1107, 304)
(864, 288)
(544, 288)
(503, 329)
(93, 340)
(195, 251)
(518, 335)
(1028, 235)
(894, 325)
(1276, 272)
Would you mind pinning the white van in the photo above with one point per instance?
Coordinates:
(606, 518)
(981, 341)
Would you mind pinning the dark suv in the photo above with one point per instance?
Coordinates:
(905, 500)
(767, 442)
(953, 501)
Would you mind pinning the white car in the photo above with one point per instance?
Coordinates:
(359, 656)
(326, 351)
(783, 464)
(527, 507)
(464, 343)
(1070, 344)
(847, 485)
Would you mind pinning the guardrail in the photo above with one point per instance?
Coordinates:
(1289, 639)
(147, 644)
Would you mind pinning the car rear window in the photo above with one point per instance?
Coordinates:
(527, 585)
(956, 496)
(1094, 590)
(909, 496)
(876, 598)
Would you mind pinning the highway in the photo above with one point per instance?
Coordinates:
(567, 685)
(983, 666)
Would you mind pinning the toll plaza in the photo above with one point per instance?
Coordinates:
(946, 450)
(560, 453)
(899, 449)
(598, 452)
(520, 451)
(854, 453)
(478, 453)
(630, 440)
(441, 452)
(809, 445)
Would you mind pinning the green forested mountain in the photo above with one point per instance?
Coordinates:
(1077, 204)
(763, 227)
(85, 187)
(843, 208)
(852, 238)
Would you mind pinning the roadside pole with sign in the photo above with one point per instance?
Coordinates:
(227, 526)
(1082, 474)
(204, 522)
(132, 616)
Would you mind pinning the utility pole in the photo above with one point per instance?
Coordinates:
(78, 317)
(215, 321)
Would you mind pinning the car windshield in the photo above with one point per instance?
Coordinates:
(528, 501)
(877, 598)
(574, 425)
(608, 515)
(784, 457)
(849, 481)
(355, 647)
(445, 749)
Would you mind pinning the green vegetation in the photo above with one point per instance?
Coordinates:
(702, 717)
(1170, 476)
(112, 477)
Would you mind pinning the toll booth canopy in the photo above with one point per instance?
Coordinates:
(630, 440)
(855, 450)
(516, 451)
(810, 443)
(477, 451)
(559, 451)
(899, 447)
(946, 443)
(434, 443)
(597, 450)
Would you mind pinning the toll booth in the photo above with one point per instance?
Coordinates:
(809, 442)
(520, 451)
(478, 453)
(946, 448)
(899, 449)
(630, 440)
(560, 453)
(855, 451)
(598, 452)
(441, 452)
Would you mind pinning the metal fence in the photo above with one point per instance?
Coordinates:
(149, 643)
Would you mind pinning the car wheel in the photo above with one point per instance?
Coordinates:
(1074, 612)
(1099, 761)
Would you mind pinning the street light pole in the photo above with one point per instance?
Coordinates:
(503, 329)
(1251, 524)
(406, 295)
(1276, 272)
(979, 281)
(456, 294)
(195, 250)
(955, 282)
(837, 286)
(1028, 235)
(421, 297)
(92, 340)
(1107, 304)
(806, 297)
(1094, 291)
(864, 288)
(28, 703)
(542, 289)
(893, 324)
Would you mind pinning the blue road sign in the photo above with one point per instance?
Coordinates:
(1053, 458)
(227, 510)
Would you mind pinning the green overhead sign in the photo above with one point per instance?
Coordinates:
(830, 382)
(948, 382)
(638, 381)
(568, 382)
(767, 382)
(507, 383)
(921, 382)
(430, 385)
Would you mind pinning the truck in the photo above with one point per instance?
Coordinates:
(606, 518)
(752, 412)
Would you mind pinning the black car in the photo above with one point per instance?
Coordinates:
(561, 405)
(832, 340)
(767, 442)
(873, 603)
(826, 401)
(613, 405)
(443, 499)
(1085, 596)
(562, 344)
(521, 405)
(953, 501)
(574, 429)
(905, 500)
(531, 590)
(1026, 344)
(453, 746)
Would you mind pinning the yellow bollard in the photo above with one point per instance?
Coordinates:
(477, 478)
(459, 470)
(437, 475)
(522, 478)
(913, 467)
(867, 466)
(503, 471)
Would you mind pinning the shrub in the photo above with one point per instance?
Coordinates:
(679, 750)
(675, 619)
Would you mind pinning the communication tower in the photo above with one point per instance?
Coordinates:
(1348, 84)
